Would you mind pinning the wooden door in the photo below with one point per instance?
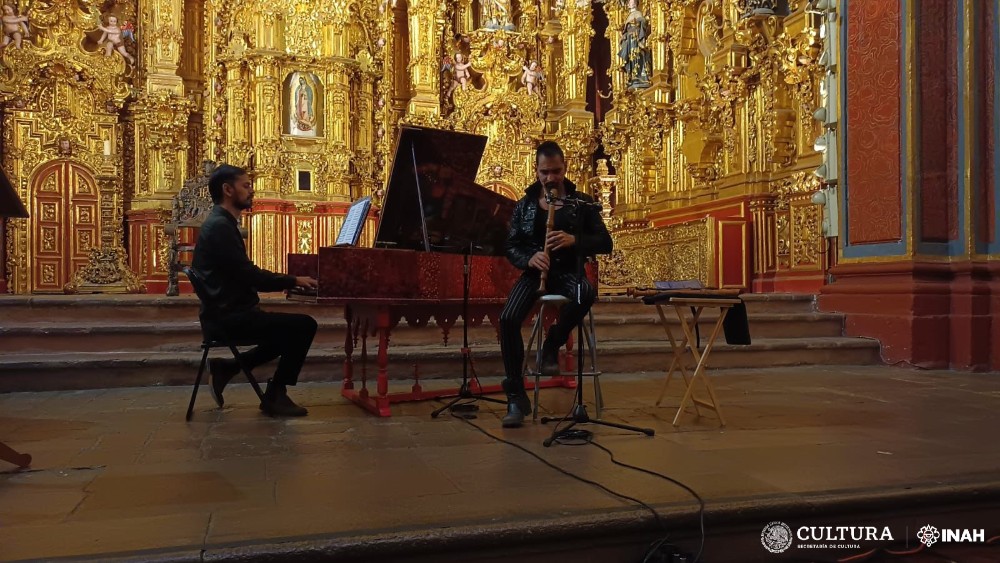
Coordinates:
(65, 224)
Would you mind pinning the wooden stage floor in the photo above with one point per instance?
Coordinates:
(119, 474)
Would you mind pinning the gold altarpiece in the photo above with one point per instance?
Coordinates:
(712, 144)
(62, 139)
(715, 151)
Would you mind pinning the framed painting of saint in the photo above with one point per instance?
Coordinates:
(304, 104)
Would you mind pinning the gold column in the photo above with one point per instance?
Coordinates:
(573, 121)
(237, 143)
(576, 34)
(425, 24)
(266, 133)
(162, 44)
(162, 111)
(338, 129)
(364, 140)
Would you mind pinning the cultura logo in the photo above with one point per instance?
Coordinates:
(776, 537)
(928, 535)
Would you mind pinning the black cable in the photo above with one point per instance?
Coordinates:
(656, 515)
(555, 431)
(701, 502)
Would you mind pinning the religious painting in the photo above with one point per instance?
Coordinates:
(304, 104)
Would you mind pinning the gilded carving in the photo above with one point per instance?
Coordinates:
(732, 90)
(48, 239)
(710, 99)
(806, 226)
(644, 255)
(305, 237)
(107, 271)
(798, 220)
(67, 83)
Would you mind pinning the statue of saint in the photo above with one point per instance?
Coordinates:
(112, 39)
(633, 50)
(496, 15)
(13, 24)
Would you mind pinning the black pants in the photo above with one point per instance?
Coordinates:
(284, 335)
(519, 304)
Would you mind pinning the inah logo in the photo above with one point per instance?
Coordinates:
(928, 535)
(776, 537)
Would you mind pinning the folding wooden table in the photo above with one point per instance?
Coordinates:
(682, 302)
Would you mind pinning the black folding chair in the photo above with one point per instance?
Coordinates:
(215, 340)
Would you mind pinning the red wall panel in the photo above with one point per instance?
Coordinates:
(874, 43)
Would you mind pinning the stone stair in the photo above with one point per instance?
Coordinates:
(81, 342)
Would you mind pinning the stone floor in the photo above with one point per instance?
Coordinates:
(118, 471)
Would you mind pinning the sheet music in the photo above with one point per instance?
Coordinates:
(350, 231)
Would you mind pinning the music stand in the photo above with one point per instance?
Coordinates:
(465, 390)
(578, 415)
(479, 224)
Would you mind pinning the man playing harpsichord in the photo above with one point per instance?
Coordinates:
(527, 241)
(232, 306)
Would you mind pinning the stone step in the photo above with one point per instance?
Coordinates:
(95, 370)
(65, 308)
(109, 335)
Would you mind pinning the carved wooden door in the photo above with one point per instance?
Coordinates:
(64, 224)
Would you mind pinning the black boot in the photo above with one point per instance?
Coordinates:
(276, 401)
(518, 404)
(550, 358)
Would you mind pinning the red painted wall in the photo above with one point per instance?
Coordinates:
(874, 43)
(937, 77)
(986, 85)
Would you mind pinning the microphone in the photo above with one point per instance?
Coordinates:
(582, 202)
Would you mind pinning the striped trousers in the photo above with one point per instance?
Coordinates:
(519, 304)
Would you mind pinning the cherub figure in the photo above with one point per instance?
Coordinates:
(532, 78)
(12, 26)
(112, 39)
(460, 72)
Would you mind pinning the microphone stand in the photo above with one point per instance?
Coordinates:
(465, 391)
(579, 413)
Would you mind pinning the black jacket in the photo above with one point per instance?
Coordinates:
(521, 242)
(231, 279)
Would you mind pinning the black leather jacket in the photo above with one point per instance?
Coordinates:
(522, 243)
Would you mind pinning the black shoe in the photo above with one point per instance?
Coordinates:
(517, 394)
(222, 371)
(276, 402)
(518, 404)
(514, 417)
